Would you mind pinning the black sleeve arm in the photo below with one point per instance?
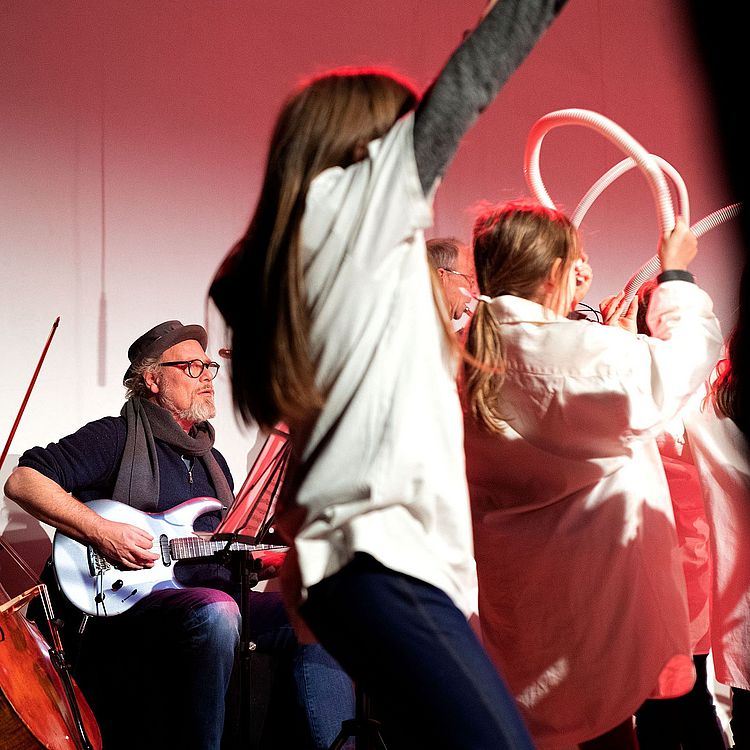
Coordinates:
(87, 459)
(472, 77)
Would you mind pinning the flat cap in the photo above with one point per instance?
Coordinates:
(159, 339)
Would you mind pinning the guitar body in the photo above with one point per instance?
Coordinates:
(95, 586)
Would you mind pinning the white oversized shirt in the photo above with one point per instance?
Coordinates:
(581, 591)
(721, 454)
(382, 470)
(694, 537)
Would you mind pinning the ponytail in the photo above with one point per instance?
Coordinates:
(484, 369)
(516, 246)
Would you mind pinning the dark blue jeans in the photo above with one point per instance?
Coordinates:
(323, 692)
(411, 650)
(156, 675)
(166, 665)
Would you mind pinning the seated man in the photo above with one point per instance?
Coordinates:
(157, 674)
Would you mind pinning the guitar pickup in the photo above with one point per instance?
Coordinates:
(166, 557)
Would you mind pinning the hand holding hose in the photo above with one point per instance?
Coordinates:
(618, 311)
(678, 248)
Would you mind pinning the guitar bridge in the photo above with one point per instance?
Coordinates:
(98, 564)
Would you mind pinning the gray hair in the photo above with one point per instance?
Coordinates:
(442, 252)
(136, 385)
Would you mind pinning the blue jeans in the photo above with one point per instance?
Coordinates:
(164, 664)
(167, 663)
(411, 650)
(323, 692)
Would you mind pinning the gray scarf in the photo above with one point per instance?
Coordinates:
(137, 481)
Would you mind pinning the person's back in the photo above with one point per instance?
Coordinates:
(582, 602)
(361, 368)
(371, 442)
(713, 441)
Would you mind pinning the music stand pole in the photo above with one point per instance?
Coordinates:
(249, 517)
(248, 578)
(363, 727)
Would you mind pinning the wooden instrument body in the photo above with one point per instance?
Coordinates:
(34, 711)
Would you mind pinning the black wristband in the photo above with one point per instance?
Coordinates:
(675, 274)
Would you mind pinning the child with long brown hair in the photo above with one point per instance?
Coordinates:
(335, 331)
(581, 599)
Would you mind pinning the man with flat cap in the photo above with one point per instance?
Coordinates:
(157, 674)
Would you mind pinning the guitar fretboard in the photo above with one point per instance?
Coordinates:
(184, 548)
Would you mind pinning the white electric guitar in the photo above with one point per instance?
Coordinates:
(94, 585)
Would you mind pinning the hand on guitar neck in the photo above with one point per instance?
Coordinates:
(96, 586)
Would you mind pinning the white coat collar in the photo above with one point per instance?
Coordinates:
(510, 309)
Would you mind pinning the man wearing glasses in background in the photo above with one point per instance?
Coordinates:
(166, 662)
(452, 262)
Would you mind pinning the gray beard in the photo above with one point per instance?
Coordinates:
(199, 410)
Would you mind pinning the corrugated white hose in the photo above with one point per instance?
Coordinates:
(617, 135)
(683, 202)
(652, 266)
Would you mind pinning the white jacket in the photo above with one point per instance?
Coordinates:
(582, 597)
(721, 455)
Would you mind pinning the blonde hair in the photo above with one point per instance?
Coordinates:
(515, 245)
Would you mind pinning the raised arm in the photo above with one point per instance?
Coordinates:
(681, 316)
(473, 76)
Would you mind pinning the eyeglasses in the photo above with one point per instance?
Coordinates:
(195, 367)
(470, 280)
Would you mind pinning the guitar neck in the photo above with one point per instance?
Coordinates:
(187, 547)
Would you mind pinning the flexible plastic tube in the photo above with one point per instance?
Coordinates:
(617, 135)
(683, 202)
(707, 223)
(652, 266)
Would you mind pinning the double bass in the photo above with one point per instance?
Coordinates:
(40, 704)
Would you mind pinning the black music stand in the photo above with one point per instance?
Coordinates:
(248, 522)
(251, 515)
(251, 518)
(363, 727)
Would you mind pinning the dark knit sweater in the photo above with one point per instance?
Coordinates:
(86, 464)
